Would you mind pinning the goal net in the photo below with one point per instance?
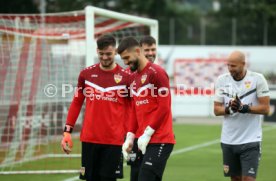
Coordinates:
(41, 56)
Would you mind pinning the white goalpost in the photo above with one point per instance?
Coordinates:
(41, 56)
(91, 11)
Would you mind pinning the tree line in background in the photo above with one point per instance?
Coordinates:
(182, 22)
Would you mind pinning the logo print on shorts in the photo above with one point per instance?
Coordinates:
(132, 156)
(251, 170)
(143, 78)
(82, 171)
(226, 168)
(148, 163)
(117, 78)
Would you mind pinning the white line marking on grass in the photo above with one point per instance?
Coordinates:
(194, 147)
(209, 143)
(183, 150)
(187, 149)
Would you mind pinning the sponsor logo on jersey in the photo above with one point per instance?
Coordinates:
(226, 168)
(117, 78)
(103, 98)
(94, 75)
(144, 78)
(247, 84)
(138, 103)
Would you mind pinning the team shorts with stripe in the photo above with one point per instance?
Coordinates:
(241, 160)
(101, 160)
(155, 159)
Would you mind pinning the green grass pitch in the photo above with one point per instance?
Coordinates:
(202, 161)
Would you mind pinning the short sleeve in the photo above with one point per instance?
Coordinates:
(262, 87)
(218, 91)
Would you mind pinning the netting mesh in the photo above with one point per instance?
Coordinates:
(41, 57)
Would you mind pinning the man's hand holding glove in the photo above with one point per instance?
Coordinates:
(66, 142)
(228, 109)
(145, 138)
(237, 106)
(128, 144)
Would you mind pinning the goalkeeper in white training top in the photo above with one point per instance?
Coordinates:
(242, 96)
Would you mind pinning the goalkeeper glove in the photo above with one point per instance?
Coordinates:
(66, 142)
(228, 109)
(143, 140)
(128, 144)
(244, 108)
(237, 105)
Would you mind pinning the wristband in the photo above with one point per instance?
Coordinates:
(68, 129)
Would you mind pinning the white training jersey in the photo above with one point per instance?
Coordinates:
(239, 128)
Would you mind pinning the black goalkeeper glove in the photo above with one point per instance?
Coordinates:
(237, 106)
(244, 108)
(228, 109)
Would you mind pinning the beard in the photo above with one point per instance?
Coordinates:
(106, 63)
(236, 75)
(134, 66)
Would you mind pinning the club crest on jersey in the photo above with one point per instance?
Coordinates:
(144, 78)
(117, 78)
(226, 168)
(247, 84)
